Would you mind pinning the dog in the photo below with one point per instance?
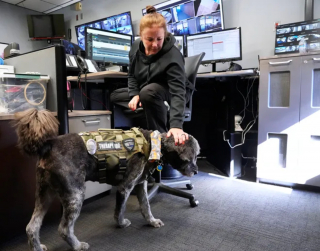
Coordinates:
(64, 165)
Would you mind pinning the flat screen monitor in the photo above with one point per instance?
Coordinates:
(70, 47)
(219, 46)
(46, 26)
(186, 17)
(179, 43)
(120, 23)
(288, 37)
(107, 46)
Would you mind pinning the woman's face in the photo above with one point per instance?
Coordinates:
(152, 39)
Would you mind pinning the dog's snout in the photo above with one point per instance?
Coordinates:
(195, 172)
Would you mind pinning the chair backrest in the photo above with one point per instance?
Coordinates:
(191, 67)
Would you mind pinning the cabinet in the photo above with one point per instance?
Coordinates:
(80, 121)
(289, 120)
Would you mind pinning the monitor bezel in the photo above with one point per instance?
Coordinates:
(99, 20)
(220, 60)
(99, 61)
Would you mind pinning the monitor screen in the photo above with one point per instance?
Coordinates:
(120, 23)
(46, 26)
(70, 48)
(219, 46)
(185, 17)
(107, 46)
(179, 43)
(289, 36)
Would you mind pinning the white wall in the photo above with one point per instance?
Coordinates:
(14, 28)
(255, 17)
(316, 13)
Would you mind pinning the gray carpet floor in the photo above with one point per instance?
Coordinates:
(233, 215)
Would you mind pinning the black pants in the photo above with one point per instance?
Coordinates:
(152, 98)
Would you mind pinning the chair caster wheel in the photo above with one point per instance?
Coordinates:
(189, 186)
(194, 203)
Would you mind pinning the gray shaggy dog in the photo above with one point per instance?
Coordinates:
(64, 165)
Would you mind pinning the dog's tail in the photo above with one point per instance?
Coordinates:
(34, 128)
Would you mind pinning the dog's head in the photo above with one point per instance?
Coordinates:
(181, 157)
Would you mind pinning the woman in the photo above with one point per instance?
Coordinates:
(157, 77)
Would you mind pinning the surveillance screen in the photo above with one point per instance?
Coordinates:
(185, 17)
(289, 37)
(119, 23)
(106, 46)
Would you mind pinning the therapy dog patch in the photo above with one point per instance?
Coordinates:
(109, 145)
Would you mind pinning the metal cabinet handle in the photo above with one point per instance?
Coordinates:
(280, 63)
(91, 121)
(316, 59)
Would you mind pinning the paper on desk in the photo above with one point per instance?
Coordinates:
(91, 67)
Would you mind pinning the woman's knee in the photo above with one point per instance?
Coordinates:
(147, 94)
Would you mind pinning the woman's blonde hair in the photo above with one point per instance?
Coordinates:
(153, 18)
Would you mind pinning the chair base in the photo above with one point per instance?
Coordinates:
(168, 188)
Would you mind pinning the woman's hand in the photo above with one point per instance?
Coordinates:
(179, 135)
(134, 102)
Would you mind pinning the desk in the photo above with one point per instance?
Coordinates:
(99, 76)
(102, 77)
(227, 74)
(114, 74)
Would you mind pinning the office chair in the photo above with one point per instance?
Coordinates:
(191, 67)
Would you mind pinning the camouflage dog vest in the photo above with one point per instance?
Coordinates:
(113, 148)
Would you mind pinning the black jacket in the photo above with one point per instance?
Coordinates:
(165, 68)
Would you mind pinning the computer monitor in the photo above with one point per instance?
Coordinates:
(185, 17)
(120, 23)
(70, 47)
(219, 46)
(289, 36)
(106, 46)
(179, 43)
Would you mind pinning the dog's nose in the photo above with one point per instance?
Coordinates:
(195, 172)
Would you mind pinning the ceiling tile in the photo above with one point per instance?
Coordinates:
(37, 5)
(68, 3)
(56, 2)
(12, 1)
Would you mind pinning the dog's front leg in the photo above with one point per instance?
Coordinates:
(135, 168)
(122, 196)
(142, 194)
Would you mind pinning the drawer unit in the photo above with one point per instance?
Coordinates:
(80, 121)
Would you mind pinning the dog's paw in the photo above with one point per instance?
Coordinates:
(124, 223)
(156, 223)
(83, 247)
(44, 248)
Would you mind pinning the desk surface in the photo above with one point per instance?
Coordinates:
(114, 74)
(227, 74)
(100, 75)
